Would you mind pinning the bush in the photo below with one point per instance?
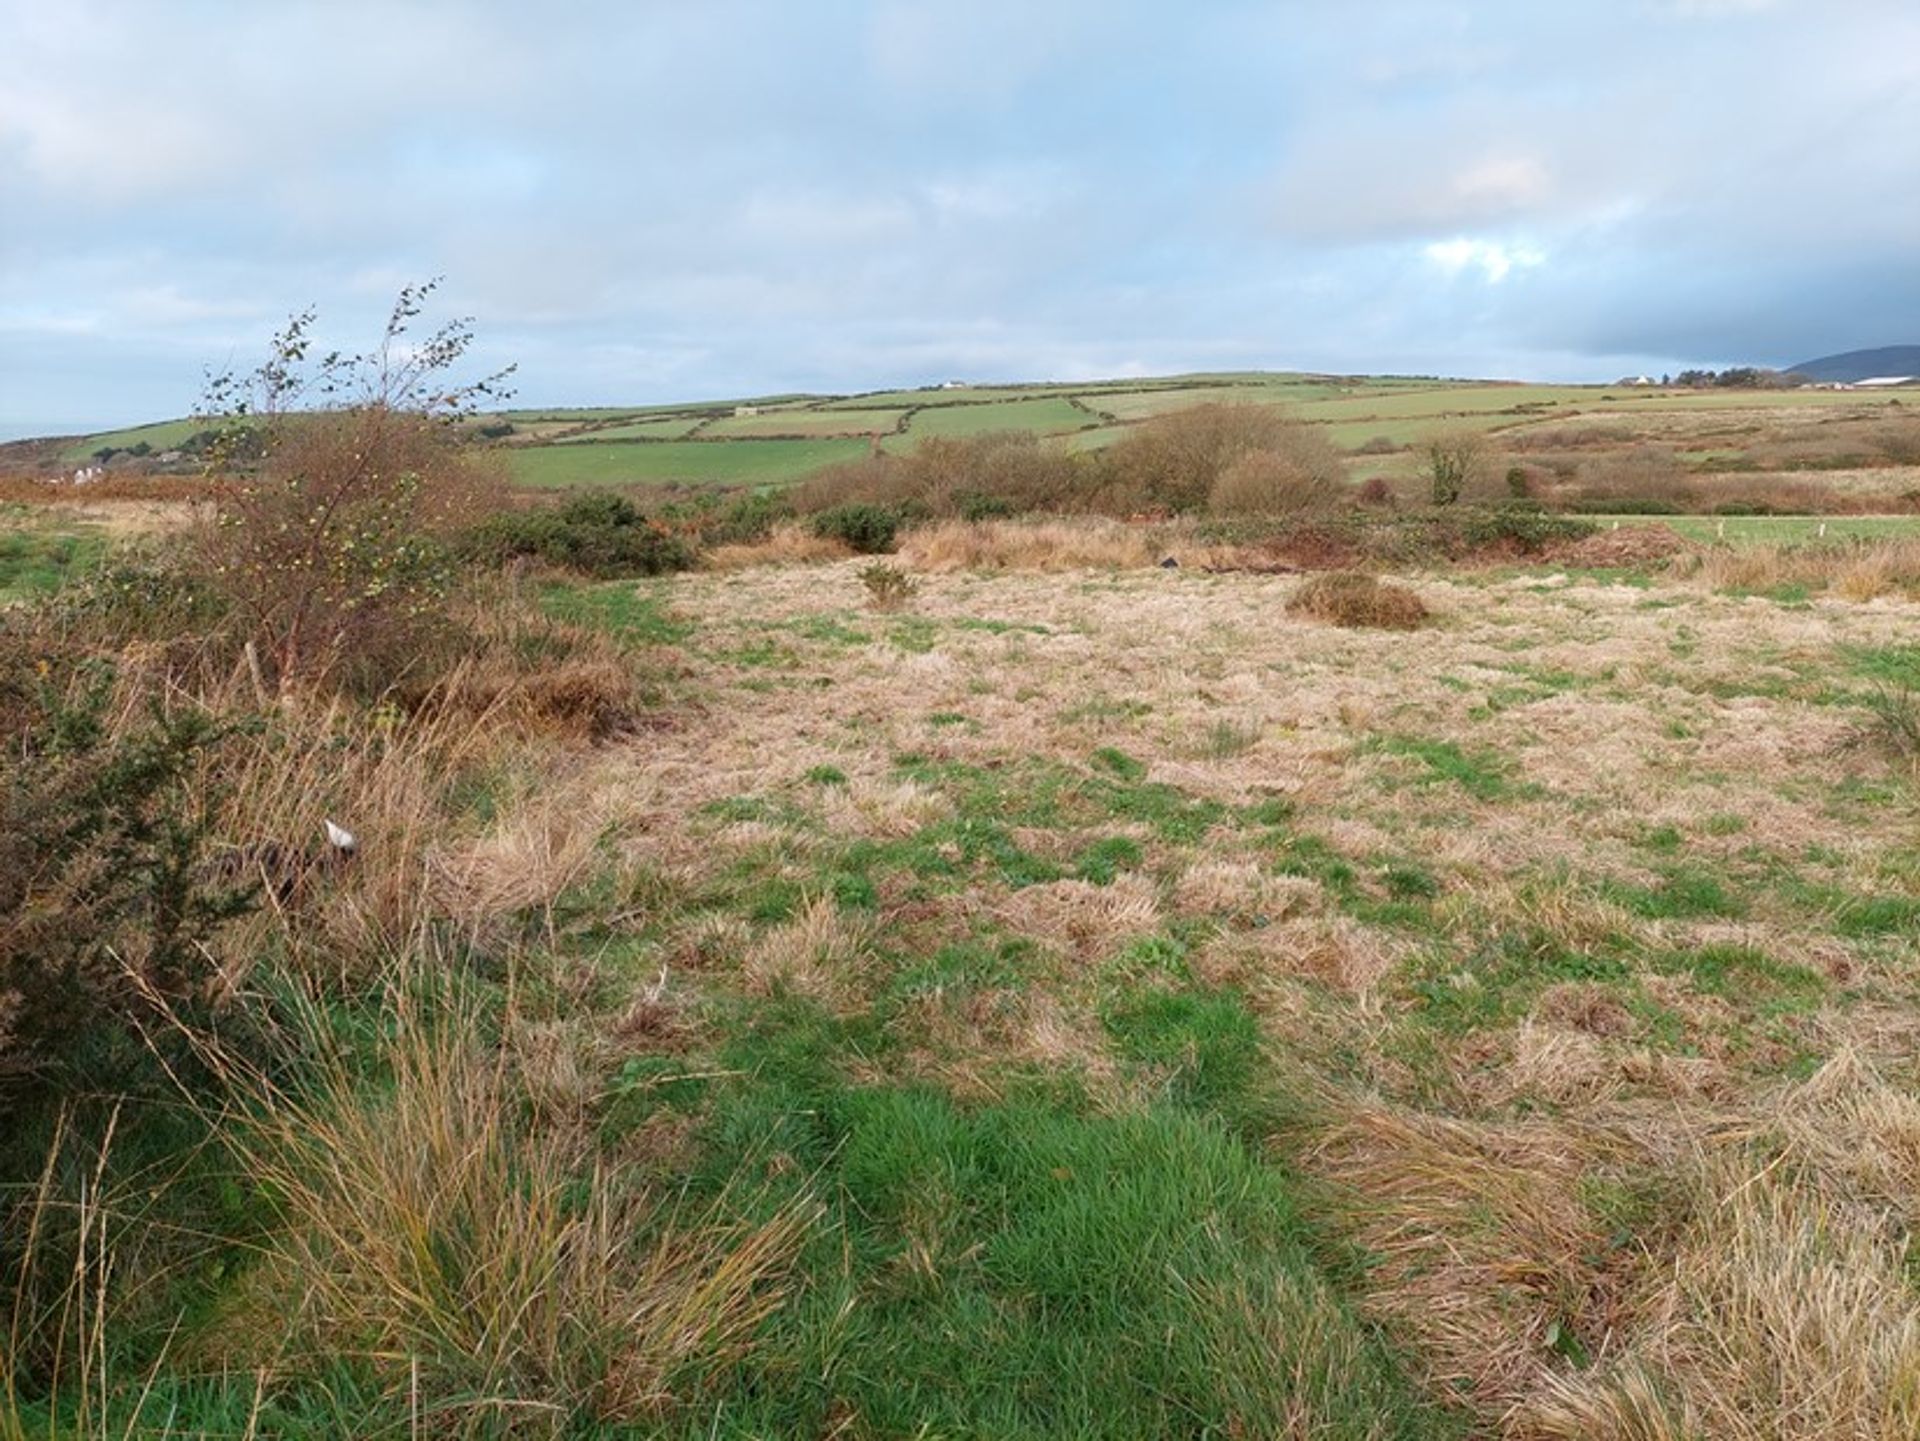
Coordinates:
(1306, 475)
(1522, 525)
(867, 529)
(1456, 467)
(888, 587)
(1377, 491)
(105, 906)
(330, 548)
(983, 477)
(598, 534)
(1173, 461)
(1352, 599)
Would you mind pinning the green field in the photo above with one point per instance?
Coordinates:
(1779, 529)
(162, 435)
(1050, 415)
(670, 427)
(41, 549)
(823, 422)
(691, 462)
(795, 433)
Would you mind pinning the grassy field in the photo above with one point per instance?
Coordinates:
(162, 435)
(1049, 416)
(1823, 438)
(670, 427)
(808, 422)
(1089, 1000)
(42, 550)
(758, 462)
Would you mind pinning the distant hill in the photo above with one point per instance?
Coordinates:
(1862, 364)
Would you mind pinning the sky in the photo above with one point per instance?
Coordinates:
(648, 202)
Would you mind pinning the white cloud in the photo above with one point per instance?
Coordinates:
(1495, 261)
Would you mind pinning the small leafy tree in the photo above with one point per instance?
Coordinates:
(336, 480)
(1453, 463)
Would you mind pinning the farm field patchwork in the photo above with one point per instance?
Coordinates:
(755, 462)
(1806, 436)
(1048, 416)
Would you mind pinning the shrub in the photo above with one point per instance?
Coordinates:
(1377, 491)
(1302, 472)
(598, 534)
(888, 587)
(1173, 461)
(1350, 598)
(105, 906)
(867, 529)
(981, 477)
(1456, 465)
(1522, 525)
(331, 546)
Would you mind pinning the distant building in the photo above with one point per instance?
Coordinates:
(741, 410)
(1636, 380)
(1886, 380)
(956, 385)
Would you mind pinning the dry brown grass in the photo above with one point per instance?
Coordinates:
(1856, 570)
(436, 1235)
(1035, 545)
(784, 545)
(1358, 601)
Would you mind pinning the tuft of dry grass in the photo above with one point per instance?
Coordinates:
(1857, 570)
(783, 545)
(1078, 544)
(464, 1253)
(1358, 601)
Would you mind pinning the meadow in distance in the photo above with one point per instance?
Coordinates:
(1226, 906)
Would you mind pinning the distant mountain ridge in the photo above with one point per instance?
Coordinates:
(1855, 365)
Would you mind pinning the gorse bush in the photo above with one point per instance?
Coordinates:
(105, 901)
(888, 586)
(866, 529)
(597, 534)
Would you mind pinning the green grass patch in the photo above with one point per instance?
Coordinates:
(1032, 1267)
(37, 559)
(1482, 774)
(688, 462)
(630, 611)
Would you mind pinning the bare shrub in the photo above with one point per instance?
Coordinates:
(1377, 491)
(1301, 472)
(1173, 460)
(1350, 598)
(973, 478)
(330, 522)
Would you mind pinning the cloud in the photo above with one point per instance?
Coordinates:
(659, 201)
(1494, 260)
